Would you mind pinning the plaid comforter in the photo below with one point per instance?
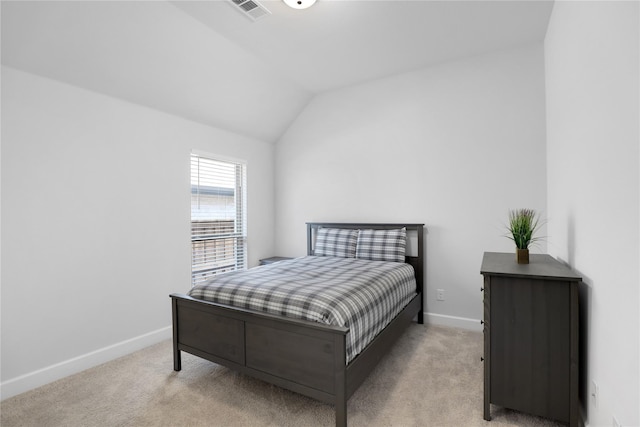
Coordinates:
(361, 295)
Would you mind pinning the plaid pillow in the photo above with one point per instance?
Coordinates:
(337, 242)
(382, 245)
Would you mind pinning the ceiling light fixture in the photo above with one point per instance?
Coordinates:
(299, 4)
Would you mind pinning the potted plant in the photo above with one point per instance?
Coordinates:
(523, 223)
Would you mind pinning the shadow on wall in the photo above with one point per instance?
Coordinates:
(571, 240)
(584, 300)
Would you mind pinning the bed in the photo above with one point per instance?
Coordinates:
(315, 359)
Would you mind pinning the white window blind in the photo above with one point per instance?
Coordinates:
(218, 217)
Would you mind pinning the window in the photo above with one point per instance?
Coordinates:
(218, 217)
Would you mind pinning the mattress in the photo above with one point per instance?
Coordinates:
(361, 295)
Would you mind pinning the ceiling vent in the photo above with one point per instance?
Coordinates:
(251, 9)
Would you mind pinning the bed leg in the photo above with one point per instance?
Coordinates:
(420, 318)
(341, 413)
(341, 380)
(177, 357)
(177, 360)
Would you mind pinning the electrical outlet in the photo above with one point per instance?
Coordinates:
(616, 423)
(594, 394)
(440, 294)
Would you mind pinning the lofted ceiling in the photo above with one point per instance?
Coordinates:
(205, 61)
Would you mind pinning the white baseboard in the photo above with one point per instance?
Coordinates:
(52, 373)
(453, 321)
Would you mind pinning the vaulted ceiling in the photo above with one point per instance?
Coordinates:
(205, 61)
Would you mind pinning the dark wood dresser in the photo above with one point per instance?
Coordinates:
(531, 336)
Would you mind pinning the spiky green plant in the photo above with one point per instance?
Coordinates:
(523, 223)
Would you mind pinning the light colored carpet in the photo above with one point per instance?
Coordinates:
(432, 377)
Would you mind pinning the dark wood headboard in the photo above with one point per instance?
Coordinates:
(416, 261)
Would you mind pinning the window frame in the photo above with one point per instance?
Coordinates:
(212, 241)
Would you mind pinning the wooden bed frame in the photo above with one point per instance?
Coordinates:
(306, 357)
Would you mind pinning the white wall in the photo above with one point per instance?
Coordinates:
(453, 146)
(159, 57)
(591, 56)
(95, 223)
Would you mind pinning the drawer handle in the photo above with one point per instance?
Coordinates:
(482, 322)
(482, 359)
(481, 289)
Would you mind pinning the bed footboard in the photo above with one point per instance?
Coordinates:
(301, 356)
(304, 357)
